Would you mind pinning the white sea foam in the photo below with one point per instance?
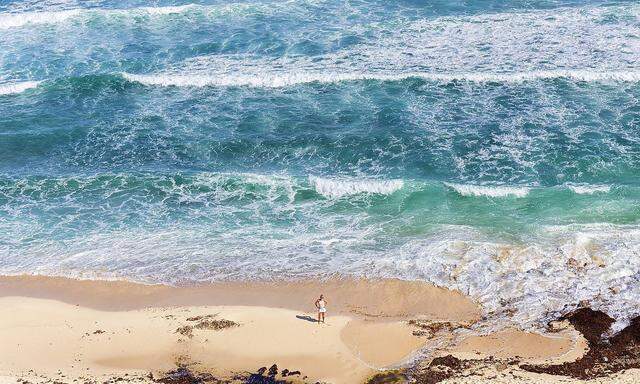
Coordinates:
(523, 284)
(165, 10)
(526, 283)
(594, 46)
(19, 19)
(589, 189)
(490, 191)
(276, 80)
(519, 77)
(539, 280)
(529, 45)
(537, 43)
(7, 89)
(334, 188)
(13, 20)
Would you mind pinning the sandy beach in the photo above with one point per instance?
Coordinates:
(70, 330)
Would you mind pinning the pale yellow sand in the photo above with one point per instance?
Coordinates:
(50, 325)
(49, 336)
(63, 329)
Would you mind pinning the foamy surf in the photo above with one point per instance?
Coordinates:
(252, 80)
(335, 188)
(13, 20)
(488, 191)
(166, 10)
(16, 20)
(589, 189)
(8, 89)
(278, 80)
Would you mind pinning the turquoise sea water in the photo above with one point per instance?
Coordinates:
(487, 146)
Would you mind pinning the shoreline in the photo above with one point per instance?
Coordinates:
(102, 329)
(381, 298)
(366, 326)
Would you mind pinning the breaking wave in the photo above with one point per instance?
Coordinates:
(266, 80)
(334, 188)
(13, 20)
(216, 224)
(589, 189)
(293, 79)
(489, 191)
(8, 89)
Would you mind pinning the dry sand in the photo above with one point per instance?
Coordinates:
(63, 329)
(48, 336)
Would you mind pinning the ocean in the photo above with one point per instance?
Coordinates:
(489, 146)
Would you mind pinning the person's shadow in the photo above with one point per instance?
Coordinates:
(307, 318)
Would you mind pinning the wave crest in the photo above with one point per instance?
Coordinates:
(8, 89)
(13, 20)
(278, 80)
(20, 19)
(166, 10)
(589, 189)
(286, 80)
(334, 188)
(488, 191)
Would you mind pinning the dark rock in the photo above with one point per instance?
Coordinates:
(389, 377)
(447, 361)
(260, 379)
(216, 325)
(181, 375)
(198, 318)
(605, 356)
(592, 324)
(186, 330)
(273, 370)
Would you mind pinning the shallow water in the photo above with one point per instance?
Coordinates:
(487, 146)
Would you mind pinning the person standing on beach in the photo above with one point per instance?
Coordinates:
(321, 304)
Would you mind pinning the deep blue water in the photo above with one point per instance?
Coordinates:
(478, 145)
